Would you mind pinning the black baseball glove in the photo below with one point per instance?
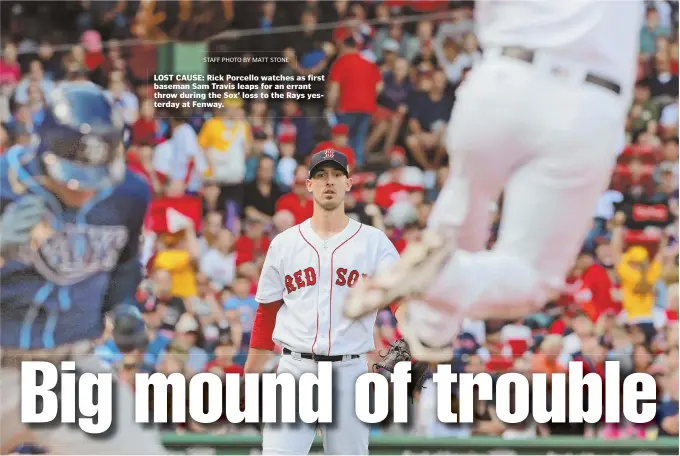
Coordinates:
(398, 352)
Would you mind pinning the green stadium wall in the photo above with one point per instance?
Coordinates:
(396, 444)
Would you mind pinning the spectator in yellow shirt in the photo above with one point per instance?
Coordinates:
(179, 253)
(638, 274)
(226, 140)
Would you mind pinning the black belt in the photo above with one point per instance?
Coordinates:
(316, 357)
(527, 55)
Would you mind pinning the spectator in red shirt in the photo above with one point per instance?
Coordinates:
(253, 244)
(139, 160)
(224, 357)
(297, 202)
(94, 58)
(10, 71)
(354, 86)
(562, 321)
(398, 181)
(428, 6)
(596, 287)
(144, 128)
(339, 141)
(640, 175)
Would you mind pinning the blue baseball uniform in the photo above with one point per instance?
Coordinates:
(64, 267)
(57, 293)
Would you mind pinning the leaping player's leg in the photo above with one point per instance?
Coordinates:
(548, 206)
(560, 161)
(460, 218)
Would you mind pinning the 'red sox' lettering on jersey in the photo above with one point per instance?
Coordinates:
(307, 278)
(300, 279)
(349, 279)
(312, 276)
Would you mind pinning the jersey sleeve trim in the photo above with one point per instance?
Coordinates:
(269, 299)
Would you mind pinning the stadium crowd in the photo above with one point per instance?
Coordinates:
(226, 182)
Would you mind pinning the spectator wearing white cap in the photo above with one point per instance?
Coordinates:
(400, 179)
(390, 54)
(188, 333)
(283, 220)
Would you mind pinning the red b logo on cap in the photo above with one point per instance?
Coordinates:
(329, 153)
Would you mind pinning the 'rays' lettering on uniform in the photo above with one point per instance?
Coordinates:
(76, 252)
(313, 276)
(54, 293)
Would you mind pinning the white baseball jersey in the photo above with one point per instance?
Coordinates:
(313, 278)
(604, 35)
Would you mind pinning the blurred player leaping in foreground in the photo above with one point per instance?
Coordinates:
(70, 223)
(540, 118)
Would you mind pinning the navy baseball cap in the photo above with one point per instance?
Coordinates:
(331, 156)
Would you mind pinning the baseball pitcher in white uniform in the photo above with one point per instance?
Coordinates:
(539, 119)
(307, 274)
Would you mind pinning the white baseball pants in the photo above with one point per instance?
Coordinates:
(346, 435)
(549, 142)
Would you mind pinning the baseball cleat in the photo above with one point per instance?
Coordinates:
(410, 277)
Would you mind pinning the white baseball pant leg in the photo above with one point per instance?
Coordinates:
(346, 435)
(124, 437)
(550, 144)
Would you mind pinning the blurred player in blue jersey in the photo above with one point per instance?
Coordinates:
(71, 217)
